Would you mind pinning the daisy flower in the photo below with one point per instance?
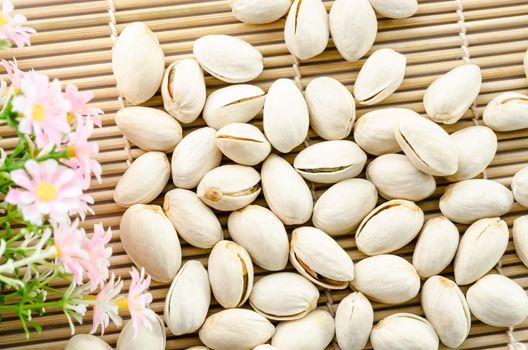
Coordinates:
(15, 75)
(97, 269)
(69, 241)
(78, 100)
(138, 301)
(11, 26)
(105, 306)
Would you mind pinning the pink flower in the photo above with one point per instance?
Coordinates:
(98, 253)
(44, 110)
(138, 301)
(14, 74)
(46, 189)
(105, 307)
(11, 28)
(78, 100)
(69, 240)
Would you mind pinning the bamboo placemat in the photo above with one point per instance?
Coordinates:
(74, 42)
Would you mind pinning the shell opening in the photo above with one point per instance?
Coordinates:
(245, 99)
(325, 170)
(315, 275)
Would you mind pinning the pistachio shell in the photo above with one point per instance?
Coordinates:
(233, 104)
(520, 186)
(404, 331)
(149, 128)
(86, 342)
(525, 63)
(312, 332)
(353, 322)
(228, 58)
(152, 339)
(137, 63)
(259, 12)
(520, 238)
(507, 112)
(395, 8)
(243, 143)
(198, 348)
(265, 347)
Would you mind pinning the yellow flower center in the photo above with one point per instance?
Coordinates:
(71, 151)
(90, 297)
(46, 191)
(71, 117)
(57, 248)
(122, 303)
(39, 112)
(3, 20)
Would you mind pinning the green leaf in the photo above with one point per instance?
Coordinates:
(5, 44)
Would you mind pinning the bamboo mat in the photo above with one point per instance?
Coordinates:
(74, 42)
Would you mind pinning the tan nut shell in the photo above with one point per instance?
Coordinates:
(353, 322)
(86, 342)
(154, 339)
(404, 331)
(395, 8)
(314, 331)
(259, 12)
(520, 186)
(520, 238)
(243, 143)
(507, 112)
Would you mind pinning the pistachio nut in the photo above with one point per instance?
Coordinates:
(374, 131)
(86, 342)
(243, 143)
(519, 186)
(353, 322)
(259, 12)
(389, 227)
(152, 338)
(330, 161)
(318, 257)
(194, 221)
(476, 147)
(138, 63)
(286, 118)
(183, 90)
(283, 296)
(498, 301)
(395, 8)
(285, 191)
(228, 58)
(446, 308)
(353, 26)
(306, 29)
(235, 329)
(388, 279)
(263, 235)
(188, 299)
(436, 246)
(150, 241)
(194, 156)
(230, 273)
(396, 177)
(470, 200)
(144, 180)
(314, 331)
(381, 75)
(427, 145)
(507, 112)
(343, 206)
(404, 331)
(481, 247)
(450, 96)
(149, 128)
(520, 238)
(233, 104)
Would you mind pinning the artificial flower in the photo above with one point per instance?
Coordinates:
(104, 305)
(138, 301)
(99, 255)
(69, 241)
(11, 26)
(78, 100)
(15, 75)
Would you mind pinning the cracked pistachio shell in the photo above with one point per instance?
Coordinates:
(353, 26)
(235, 329)
(507, 112)
(396, 177)
(388, 279)
(194, 156)
(481, 247)
(183, 90)
(498, 301)
(318, 257)
(330, 161)
(286, 119)
(332, 108)
(450, 96)
(427, 145)
(381, 75)
(389, 227)
(476, 146)
(188, 299)
(152, 339)
(263, 235)
(306, 30)
(150, 241)
(436, 246)
(230, 273)
(258, 11)
(138, 63)
(194, 221)
(284, 296)
(285, 191)
(315, 331)
(469, 200)
(243, 143)
(404, 331)
(228, 58)
(233, 104)
(446, 308)
(229, 187)
(520, 186)
(86, 342)
(149, 128)
(342, 207)
(353, 322)
(144, 180)
(520, 238)
(374, 131)
(395, 8)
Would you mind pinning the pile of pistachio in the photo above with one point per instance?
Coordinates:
(224, 167)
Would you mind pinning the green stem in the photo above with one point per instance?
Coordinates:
(20, 164)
